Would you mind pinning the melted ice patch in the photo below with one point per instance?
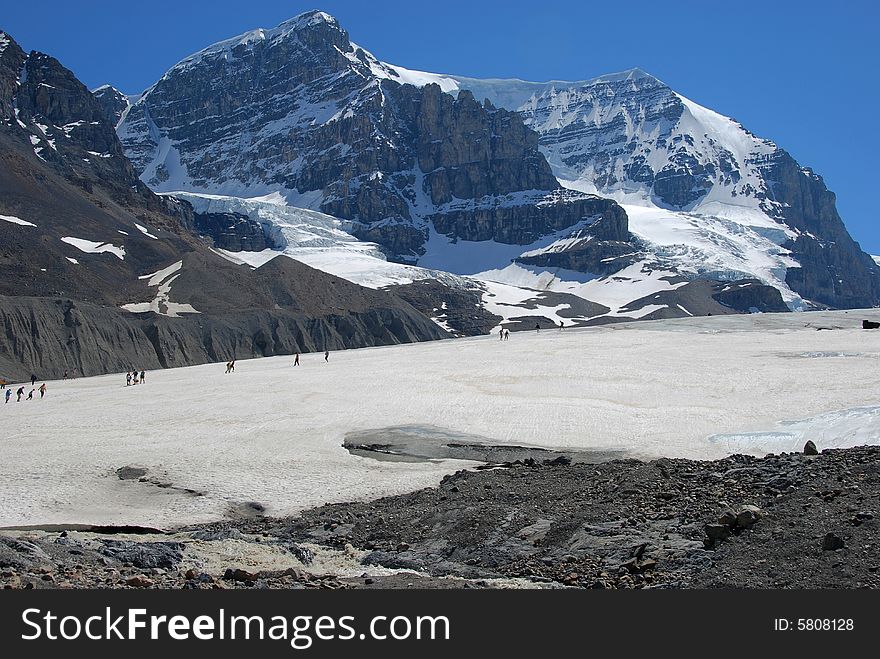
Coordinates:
(17, 220)
(146, 231)
(162, 303)
(857, 426)
(92, 247)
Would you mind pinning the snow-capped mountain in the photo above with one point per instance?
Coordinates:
(516, 191)
(705, 195)
(301, 111)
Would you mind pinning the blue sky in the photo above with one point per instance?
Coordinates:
(803, 74)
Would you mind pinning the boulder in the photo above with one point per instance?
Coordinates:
(138, 581)
(727, 518)
(748, 516)
(832, 542)
(810, 448)
(717, 531)
(144, 554)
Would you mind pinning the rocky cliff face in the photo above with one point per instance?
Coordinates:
(301, 110)
(232, 231)
(53, 336)
(833, 271)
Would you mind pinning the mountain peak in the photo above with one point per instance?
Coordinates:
(311, 19)
(300, 24)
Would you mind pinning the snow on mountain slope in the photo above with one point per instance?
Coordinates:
(316, 239)
(513, 286)
(713, 248)
(509, 290)
(749, 208)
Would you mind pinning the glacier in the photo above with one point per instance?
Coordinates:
(273, 434)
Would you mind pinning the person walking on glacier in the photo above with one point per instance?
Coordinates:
(8, 394)
(43, 390)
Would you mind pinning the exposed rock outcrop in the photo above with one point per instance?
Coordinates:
(232, 231)
(113, 102)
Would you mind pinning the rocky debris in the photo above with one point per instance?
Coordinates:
(216, 535)
(731, 522)
(618, 524)
(459, 309)
(748, 516)
(870, 324)
(268, 578)
(861, 517)
(139, 581)
(144, 555)
(810, 448)
(303, 555)
(80, 560)
(21, 553)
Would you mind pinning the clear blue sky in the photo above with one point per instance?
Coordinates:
(802, 73)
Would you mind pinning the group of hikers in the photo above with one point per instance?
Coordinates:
(20, 392)
(326, 358)
(132, 377)
(504, 333)
(230, 366)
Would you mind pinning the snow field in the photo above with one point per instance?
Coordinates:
(273, 434)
